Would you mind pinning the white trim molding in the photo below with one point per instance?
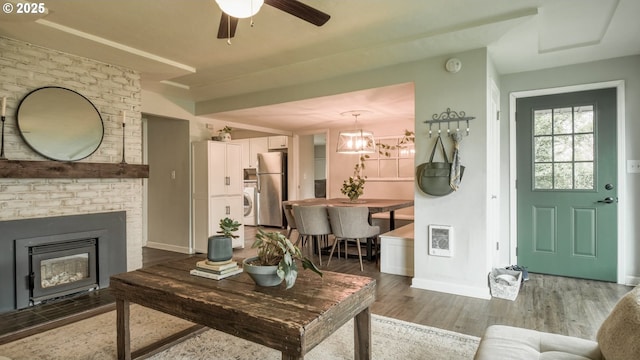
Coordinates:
(168, 247)
(632, 281)
(450, 288)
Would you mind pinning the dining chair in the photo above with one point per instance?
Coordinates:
(312, 222)
(350, 223)
(291, 221)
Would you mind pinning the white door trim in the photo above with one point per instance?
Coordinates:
(622, 190)
(493, 174)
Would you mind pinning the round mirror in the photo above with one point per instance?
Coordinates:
(60, 124)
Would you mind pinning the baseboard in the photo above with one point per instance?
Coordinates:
(449, 288)
(174, 248)
(632, 281)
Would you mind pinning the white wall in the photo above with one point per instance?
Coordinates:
(111, 89)
(466, 272)
(625, 68)
(156, 104)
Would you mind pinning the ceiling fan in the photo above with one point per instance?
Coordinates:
(229, 23)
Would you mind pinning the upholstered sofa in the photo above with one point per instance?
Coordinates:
(618, 339)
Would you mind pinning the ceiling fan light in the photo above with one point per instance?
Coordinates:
(240, 8)
(356, 142)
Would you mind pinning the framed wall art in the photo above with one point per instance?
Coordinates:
(441, 240)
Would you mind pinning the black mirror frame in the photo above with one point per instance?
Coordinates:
(40, 151)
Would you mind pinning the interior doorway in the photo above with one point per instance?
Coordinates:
(312, 166)
(167, 197)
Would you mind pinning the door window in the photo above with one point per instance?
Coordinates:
(563, 148)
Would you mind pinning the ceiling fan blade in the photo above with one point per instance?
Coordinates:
(300, 10)
(227, 23)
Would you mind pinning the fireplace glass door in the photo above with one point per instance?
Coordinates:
(62, 268)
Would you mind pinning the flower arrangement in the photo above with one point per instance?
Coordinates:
(353, 187)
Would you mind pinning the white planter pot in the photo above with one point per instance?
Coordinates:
(224, 136)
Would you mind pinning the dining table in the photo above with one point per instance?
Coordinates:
(374, 205)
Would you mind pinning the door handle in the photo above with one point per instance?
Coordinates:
(607, 200)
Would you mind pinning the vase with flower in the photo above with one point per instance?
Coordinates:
(353, 187)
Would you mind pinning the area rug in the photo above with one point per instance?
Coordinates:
(95, 338)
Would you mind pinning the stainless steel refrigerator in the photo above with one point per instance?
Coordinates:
(271, 188)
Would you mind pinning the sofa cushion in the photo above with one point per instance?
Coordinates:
(619, 334)
(505, 342)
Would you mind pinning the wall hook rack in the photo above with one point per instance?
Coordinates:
(449, 116)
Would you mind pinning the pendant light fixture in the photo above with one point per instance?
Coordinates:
(240, 8)
(356, 141)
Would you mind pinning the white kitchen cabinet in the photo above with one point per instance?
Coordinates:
(244, 143)
(250, 150)
(278, 142)
(257, 146)
(217, 190)
(206, 219)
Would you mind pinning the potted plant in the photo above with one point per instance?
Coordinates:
(276, 261)
(353, 187)
(219, 247)
(225, 134)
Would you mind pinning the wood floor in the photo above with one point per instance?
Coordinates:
(555, 304)
(567, 306)
(548, 303)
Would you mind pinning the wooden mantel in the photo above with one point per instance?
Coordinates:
(22, 169)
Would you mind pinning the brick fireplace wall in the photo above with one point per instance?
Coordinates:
(112, 89)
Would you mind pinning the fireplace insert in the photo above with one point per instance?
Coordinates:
(55, 266)
(62, 268)
(18, 239)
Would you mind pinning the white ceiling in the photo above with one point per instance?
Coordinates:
(175, 41)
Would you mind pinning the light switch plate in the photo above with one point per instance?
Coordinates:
(633, 166)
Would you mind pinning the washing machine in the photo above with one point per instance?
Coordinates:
(250, 213)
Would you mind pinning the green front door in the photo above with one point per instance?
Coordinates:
(567, 184)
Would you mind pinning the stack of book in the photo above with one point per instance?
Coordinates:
(216, 270)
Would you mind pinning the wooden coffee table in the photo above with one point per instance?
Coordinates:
(292, 321)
